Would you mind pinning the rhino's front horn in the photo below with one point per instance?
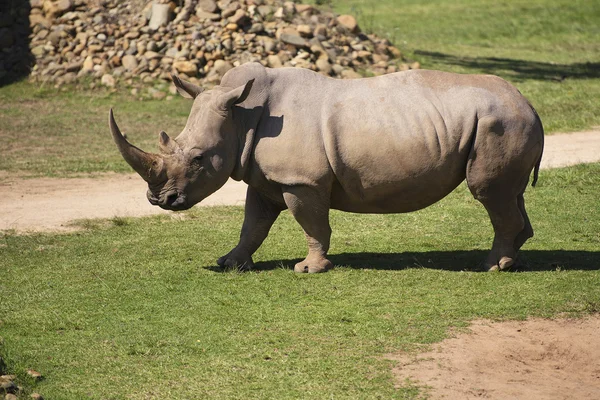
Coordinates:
(148, 165)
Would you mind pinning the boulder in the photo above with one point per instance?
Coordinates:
(348, 22)
(161, 15)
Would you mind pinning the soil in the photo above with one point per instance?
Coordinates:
(533, 359)
(50, 204)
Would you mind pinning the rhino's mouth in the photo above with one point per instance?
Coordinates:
(171, 200)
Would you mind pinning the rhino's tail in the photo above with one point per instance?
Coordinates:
(536, 170)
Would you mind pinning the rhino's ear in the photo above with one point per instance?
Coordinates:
(235, 96)
(186, 89)
(165, 143)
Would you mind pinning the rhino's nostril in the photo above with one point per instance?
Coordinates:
(170, 198)
(178, 202)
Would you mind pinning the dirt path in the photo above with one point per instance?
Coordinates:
(49, 204)
(533, 359)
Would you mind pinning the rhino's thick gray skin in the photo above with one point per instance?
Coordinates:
(308, 143)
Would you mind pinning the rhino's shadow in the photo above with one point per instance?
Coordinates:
(459, 260)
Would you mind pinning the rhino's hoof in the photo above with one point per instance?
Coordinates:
(504, 265)
(232, 263)
(313, 266)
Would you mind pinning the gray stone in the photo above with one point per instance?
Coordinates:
(265, 10)
(221, 67)
(161, 15)
(171, 52)
(129, 62)
(203, 15)
(209, 6)
(108, 80)
(294, 40)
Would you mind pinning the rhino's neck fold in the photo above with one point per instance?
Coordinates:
(247, 123)
(243, 158)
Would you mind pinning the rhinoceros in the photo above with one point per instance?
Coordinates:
(309, 143)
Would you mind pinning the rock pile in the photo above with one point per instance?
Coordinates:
(117, 40)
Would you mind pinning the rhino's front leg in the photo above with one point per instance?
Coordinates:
(310, 207)
(260, 213)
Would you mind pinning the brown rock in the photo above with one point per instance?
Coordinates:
(348, 22)
(323, 65)
(394, 52)
(274, 61)
(10, 396)
(186, 67)
(36, 396)
(350, 74)
(320, 30)
(304, 30)
(34, 374)
(88, 64)
(303, 8)
(8, 386)
(239, 18)
(56, 8)
(38, 19)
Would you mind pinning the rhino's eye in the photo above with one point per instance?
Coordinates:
(198, 158)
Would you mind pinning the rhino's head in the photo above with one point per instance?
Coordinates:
(200, 159)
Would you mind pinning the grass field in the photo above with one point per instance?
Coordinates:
(550, 49)
(137, 309)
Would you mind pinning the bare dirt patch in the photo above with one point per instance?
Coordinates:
(533, 359)
(49, 204)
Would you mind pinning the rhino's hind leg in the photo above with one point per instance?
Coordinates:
(310, 207)
(527, 231)
(508, 223)
(260, 214)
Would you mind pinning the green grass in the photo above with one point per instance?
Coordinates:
(135, 308)
(63, 133)
(550, 49)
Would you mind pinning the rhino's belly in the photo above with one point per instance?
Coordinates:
(406, 194)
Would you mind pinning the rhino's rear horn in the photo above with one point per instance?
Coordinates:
(148, 165)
